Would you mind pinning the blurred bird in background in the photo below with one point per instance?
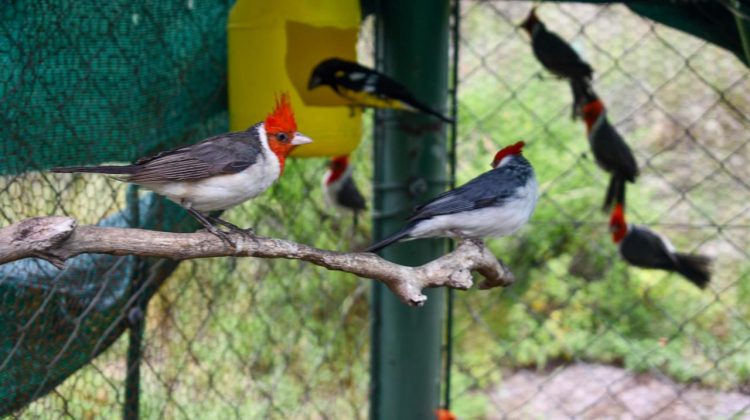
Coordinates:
(644, 248)
(558, 57)
(610, 150)
(340, 190)
(364, 87)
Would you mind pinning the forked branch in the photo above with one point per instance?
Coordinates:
(57, 239)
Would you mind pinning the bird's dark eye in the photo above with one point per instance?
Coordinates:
(282, 137)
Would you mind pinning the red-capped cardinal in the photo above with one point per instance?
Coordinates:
(219, 172)
(610, 151)
(558, 57)
(494, 204)
(340, 190)
(641, 247)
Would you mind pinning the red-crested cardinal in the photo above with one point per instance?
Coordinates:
(611, 152)
(364, 87)
(641, 247)
(219, 172)
(558, 57)
(340, 190)
(494, 204)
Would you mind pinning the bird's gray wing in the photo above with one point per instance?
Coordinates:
(223, 154)
(492, 188)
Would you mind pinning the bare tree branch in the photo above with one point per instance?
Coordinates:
(56, 239)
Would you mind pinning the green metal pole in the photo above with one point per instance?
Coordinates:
(410, 167)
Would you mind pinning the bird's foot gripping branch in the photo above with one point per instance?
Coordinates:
(57, 239)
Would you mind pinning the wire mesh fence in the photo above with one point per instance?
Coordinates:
(581, 334)
(224, 338)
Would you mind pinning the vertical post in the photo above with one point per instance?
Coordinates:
(455, 38)
(135, 319)
(410, 167)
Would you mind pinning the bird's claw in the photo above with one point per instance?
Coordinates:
(221, 235)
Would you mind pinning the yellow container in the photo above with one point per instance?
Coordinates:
(273, 47)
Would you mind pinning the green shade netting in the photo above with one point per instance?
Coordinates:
(86, 82)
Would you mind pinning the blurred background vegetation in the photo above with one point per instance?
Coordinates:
(257, 338)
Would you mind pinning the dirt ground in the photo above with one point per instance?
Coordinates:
(590, 391)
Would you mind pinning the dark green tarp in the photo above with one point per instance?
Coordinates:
(711, 20)
(85, 82)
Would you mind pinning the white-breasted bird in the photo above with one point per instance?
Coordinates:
(219, 172)
(340, 190)
(643, 248)
(494, 204)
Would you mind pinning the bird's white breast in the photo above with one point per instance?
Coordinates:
(486, 222)
(223, 191)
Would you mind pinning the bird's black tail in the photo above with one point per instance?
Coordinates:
(111, 170)
(615, 193)
(427, 110)
(696, 268)
(401, 234)
(583, 93)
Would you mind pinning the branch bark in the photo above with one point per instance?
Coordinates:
(58, 238)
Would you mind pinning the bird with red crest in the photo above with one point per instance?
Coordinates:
(219, 172)
(340, 190)
(642, 247)
(494, 204)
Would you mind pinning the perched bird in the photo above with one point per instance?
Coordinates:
(219, 172)
(365, 87)
(340, 190)
(611, 152)
(641, 247)
(558, 57)
(494, 204)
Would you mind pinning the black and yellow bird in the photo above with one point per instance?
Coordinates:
(361, 86)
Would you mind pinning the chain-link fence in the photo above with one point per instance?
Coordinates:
(581, 334)
(247, 338)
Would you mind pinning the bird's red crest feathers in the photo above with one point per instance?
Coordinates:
(617, 224)
(282, 117)
(591, 111)
(337, 166)
(444, 414)
(513, 149)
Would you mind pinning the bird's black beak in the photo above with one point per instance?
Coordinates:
(315, 81)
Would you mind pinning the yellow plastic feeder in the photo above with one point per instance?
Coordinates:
(273, 47)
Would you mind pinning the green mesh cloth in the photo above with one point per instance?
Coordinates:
(710, 20)
(86, 82)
